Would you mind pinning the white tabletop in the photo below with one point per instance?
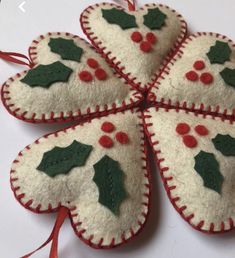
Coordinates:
(166, 235)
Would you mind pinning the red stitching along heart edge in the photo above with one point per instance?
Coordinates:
(163, 168)
(134, 100)
(201, 108)
(113, 60)
(147, 174)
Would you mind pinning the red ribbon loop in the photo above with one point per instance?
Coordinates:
(12, 57)
(61, 216)
(131, 5)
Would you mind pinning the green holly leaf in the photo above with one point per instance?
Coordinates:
(225, 144)
(228, 76)
(45, 75)
(66, 48)
(154, 19)
(219, 53)
(62, 160)
(109, 180)
(120, 18)
(207, 167)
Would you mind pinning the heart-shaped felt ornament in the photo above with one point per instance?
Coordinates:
(196, 158)
(136, 43)
(95, 172)
(69, 80)
(200, 77)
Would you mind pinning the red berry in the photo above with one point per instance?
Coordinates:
(206, 78)
(151, 38)
(122, 137)
(189, 141)
(92, 63)
(85, 76)
(107, 127)
(192, 76)
(100, 74)
(199, 65)
(145, 46)
(182, 128)
(136, 36)
(106, 141)
(201, 130)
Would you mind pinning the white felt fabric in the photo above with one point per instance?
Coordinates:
(79, 189)
(67, 97)
(177, 88)
(206, 204)
(141, 65)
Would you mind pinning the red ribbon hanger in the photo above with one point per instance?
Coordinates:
(131, 5)
(12, 57)
(61, 216)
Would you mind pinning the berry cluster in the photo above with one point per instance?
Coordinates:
(106, 141)
(145, 45)
(189, 140)
(100, 73)
(205, 77)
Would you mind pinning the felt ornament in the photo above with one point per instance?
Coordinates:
(68, 80)
(195, 154)
(103, 188)
(200, 77)
(137, 43)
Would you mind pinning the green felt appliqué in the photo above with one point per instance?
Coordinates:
(109, 179)
(228, 76)
(154, 19)
(119, 17)
(66, 48)
(219, 53)
(207, 167)
(225, 144)
(45, 75)
(62, 160)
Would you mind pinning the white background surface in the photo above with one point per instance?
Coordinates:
(166, 235)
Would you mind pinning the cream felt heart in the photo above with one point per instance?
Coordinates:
(136, 43)
(201, 76)
(69, 80)
(98, 170)
(196, 158)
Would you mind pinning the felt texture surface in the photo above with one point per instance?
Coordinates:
(154, 19)
(228, 76)
(77, 190)
(225, 144)
(203, 208)
(74, 98)
(45, 75)
(219, 53)
(62, 160)
(121, 49)
(109, 178)
(208, 93)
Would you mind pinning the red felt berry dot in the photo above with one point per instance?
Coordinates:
(107, 127)
(85, 76)
(206, 78)
(151, 38)
(136, 36)
(92, 63)
(105, 141)
(100, 74)
(192, 76)
(182, 128)
(199, 65)
(145, 46)
(122, 137)
(189, 141)
(201, 130)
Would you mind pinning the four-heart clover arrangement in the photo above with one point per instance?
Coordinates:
(97, 172)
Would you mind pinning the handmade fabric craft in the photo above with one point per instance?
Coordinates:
(201, 76)
(196, 157)
(68, 81)
(95, 172)
(137, 43)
